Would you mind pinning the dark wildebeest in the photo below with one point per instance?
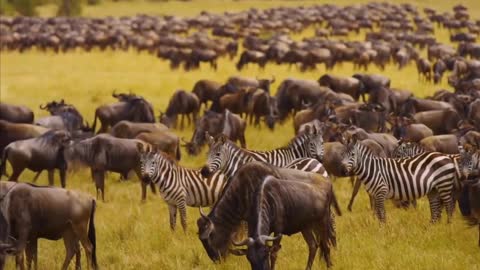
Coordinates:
(15, 113)
(41, 153)
(235, 102)
(447, 144)
(129, 107)
(129, 130)
(439, 68)
(183, 103)
(307, 210)
(236, 203)
(104, 153)
(63, 116)
(207, 90)
(164, 141)
(261, 104)
(372, 82)
(406, 129)
(227, 123)
(347, 85)
(29, 212)
(10, 132)
(424, 68)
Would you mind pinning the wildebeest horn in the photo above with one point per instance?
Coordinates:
(238, 252)
(266, 238)
(114, 94)
(247, 241)
(202, 213)
(273, 79)
(43, 107)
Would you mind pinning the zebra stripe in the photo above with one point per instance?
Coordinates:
(180, 186)
(404, 179)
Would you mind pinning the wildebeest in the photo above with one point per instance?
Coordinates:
(447, 144)
(29, 212)
(235, 83)
(104, 153)
(129, 130)
(236, 203)
(41, 153)
(63, 116)
(10, 132)
(307, 210)
(250, 56)
(207, 90)
(347, 85)
(372, 81)
(406, 129)
(440, 121)
(130, 107)
(235, 102)
(15, 113)
(227, 123)
(164, 141)
(183, 103)
(261, 104)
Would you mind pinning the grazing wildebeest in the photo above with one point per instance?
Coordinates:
(227, 123)
(15, 113)
(10, 132)
(406, 129)
(250, 56)
(235, 83)
(183, 103)
(235, 102)
(307, 210)
(104, 153)
(30, 212)
(235, 205)
(130, 107)
(440, 121)
(372, 82)
(41, 153)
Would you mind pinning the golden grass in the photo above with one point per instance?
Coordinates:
(132, 235)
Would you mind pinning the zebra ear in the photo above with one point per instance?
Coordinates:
(222, 139)
(354, 138)
(209, 138)
(140, 148)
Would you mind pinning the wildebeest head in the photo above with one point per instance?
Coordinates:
(168, 121)
(258, 250)
(212, 241)
(53, 106)
(124, 96)
(265, 83)
(217, 155)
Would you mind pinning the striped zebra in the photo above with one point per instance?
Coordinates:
(469, 162)
(227, 157)
(179, 186)
(430, 173)
(407, 149)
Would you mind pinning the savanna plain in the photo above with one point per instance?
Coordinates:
(135, 235)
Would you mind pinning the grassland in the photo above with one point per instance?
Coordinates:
(132, 235)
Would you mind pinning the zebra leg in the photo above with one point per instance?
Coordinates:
(380, 207)
(173, 216)
(183, 216)
(435, 207)
(446, 200)
(356, 188)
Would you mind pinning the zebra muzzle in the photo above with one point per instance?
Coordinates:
(205, 171)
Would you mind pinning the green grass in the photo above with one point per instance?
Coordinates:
(132, 235)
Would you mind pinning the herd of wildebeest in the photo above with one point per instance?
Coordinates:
(400, 146)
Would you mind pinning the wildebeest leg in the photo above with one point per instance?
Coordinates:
(19, 261)
(189, 120)
(172, 209)
(358, 183)
(78, 257)
(50, 177)
(182, 117)
(243, 143)
(312, 246)
(71, 244)
(82, 232)
(15, 174)
(99, 177)
(63, 177)
(30, 253)
(21, 244)
(36, 177)
(274, 251)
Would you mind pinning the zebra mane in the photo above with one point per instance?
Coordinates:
(157, 154)
(362, 148)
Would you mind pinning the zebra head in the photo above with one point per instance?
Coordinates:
(469, 162)
(352, 157)
(407, 149)
(313, 140)
(217, 155)
(149, 162)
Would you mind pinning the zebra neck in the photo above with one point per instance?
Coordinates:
(237, 158)
(281, 157)
(365, 167)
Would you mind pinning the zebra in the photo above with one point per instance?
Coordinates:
(407, 149)
(430, 173)
(469, 163)
(227, 157)
(179, 186)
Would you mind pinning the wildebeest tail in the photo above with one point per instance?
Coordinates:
(91, 234)
(335, 204)
(178, 154)
(3, 162)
